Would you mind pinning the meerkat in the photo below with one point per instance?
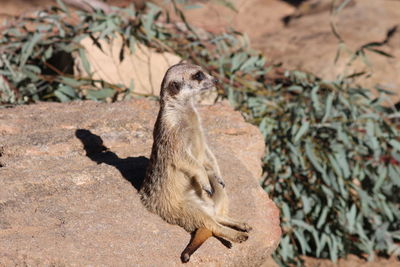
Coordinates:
(183, 183)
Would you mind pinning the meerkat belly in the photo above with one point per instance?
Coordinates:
(195, 146)
(171, 192)
(180, 202)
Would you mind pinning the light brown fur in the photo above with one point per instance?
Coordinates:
(183, 183)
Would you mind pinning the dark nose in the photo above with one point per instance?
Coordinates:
(215, 81)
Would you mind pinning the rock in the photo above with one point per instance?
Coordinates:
(69, 180)
(142, 70)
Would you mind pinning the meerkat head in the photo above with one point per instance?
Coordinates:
(183, 81)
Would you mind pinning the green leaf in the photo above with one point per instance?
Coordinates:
(324, 240)
(100, 94)
(387, 210)
(328, 106)
(148, 20)
(72, 82)
(306, 203)
(62, 97)
(295, 190)
(303, 243)
(395, 144)
(333, 248)
(48, 53)
(314, 98)
(394, 174)
(286, 211)
(382, 172)
(295, 89)
(32, 68)
(85, 62)
(28, 48)
(67, 90)
(335, 165)
(286, 248)
(351, 218)
(249, 64)
(341, 158)
(237, 61)
(322, 217)
(61, 4)
(303, 225)
(314, 161)
(303, 129)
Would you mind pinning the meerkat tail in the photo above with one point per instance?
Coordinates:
(199, 237)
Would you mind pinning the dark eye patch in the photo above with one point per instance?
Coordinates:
(198, 76)
(174, 87)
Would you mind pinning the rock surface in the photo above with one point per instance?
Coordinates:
(69, 175)
(142, 71)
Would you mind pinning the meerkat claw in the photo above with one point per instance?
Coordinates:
(242, 237)
(209, 191)
(247, 228)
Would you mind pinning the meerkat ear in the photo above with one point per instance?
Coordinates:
(174, 87)
(184, 61)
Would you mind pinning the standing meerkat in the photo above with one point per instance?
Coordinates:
(183, 183)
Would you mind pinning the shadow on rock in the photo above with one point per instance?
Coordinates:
(132, 169)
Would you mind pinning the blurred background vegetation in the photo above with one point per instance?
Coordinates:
(322, 94)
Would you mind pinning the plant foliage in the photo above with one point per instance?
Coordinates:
(333, 166)
(333, 151)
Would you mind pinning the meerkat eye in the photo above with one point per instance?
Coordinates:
(198, 76)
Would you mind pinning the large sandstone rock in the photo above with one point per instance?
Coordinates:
(69, 180)
(141, 71)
